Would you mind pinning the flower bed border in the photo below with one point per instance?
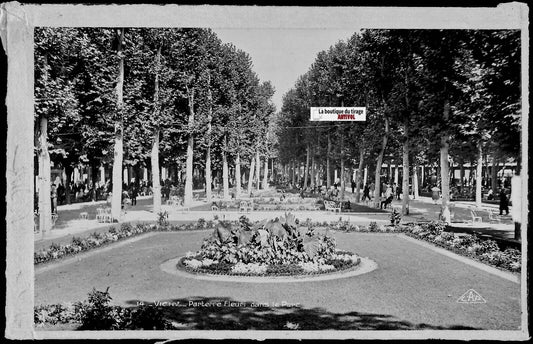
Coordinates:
(402, 229)
(64, 251)
(56, 252)
(182, 267)
(364, 266)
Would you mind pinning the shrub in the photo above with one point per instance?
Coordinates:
(98, 314)
(201, 223)
(162, 218)
(434, 227)
(373, 226)
(396, 217)
(147, 318)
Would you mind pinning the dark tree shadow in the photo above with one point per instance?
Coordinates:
(228, 314)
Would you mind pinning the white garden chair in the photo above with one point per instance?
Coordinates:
(108, 217)
(55, 217)
(493, 217)
(100, 214)
(476, 218)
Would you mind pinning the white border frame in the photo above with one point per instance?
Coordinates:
(16, 30)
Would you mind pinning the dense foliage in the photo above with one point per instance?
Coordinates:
(429, 94)
(138, 97)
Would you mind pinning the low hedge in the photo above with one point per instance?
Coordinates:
(469, 245)
(126, 230)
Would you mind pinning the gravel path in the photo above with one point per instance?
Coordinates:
(412, 288)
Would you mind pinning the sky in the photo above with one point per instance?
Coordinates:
(282, 55)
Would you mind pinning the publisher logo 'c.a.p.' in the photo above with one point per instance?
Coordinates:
(471, 296)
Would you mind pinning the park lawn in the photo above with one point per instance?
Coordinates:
(413, 288)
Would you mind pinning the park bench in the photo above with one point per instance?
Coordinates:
(475, 216)
(107, 215)
(246, 206)
(451, 208)
(217, 206)
(178, 203)
(173, 200)
(100, 214)
(493, 217)
(332, 206)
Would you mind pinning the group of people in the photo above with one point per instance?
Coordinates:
(88, 191)
(387, 191)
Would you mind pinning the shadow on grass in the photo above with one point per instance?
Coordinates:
(228, 314)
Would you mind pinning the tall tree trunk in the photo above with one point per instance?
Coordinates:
(156, 178)
(190, 150)
(307, 165)
(342, 176)
(415, 182)
(265, 176)
(479, 176)
(94, 179)
(257, 170)
(328, 164)
(405, 163)
(293, 172)
(238, 175)
(462, 172)
(208, 177)
(343, 179)
(494, 174)
(313, 169)
(298, 174)
(273, 171)
(358, 176)
(422, 175)
(45, 205)
(251, 175)
(225, 176)
(445, 167)
(405, 176)
(68, 171)
(118, 152)
(379, 162)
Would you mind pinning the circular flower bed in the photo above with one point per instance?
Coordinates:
(277, 247)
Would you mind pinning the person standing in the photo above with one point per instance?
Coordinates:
(398, 192)
(134, 194)
(435, 194)
(353, 186)
(366, 193)
(61, 194)
(516, 209)
(53, 198)
(504, 202)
